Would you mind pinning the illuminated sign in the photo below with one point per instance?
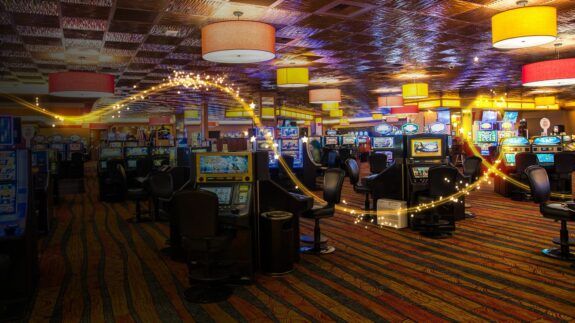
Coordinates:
(410, 128)
(384, 128)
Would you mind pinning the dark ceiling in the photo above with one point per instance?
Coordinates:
(363, 47)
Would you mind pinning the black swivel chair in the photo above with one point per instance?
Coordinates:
(564, 166)
(377, 163)
(332, 158)
(196, 213)
(144, 167)
(522, 162)
(76, 165)
(5, 265)
(386, 184)
(471, 174)
(359, 187)
(563, 212)
(135, 191)
(332, 185)
(438, 222)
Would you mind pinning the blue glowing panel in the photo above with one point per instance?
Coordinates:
(515, 141)
(547, 141)
(546, 158)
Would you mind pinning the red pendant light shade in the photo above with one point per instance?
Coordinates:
(408, 109)
(557, 72)
(390, 101)
(81, 84)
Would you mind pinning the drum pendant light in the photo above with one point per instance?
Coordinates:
(557, 72)
(394, 101)
(292, 77)
(524, 27)
(329, 106)
(238, 41)
(81, 84)
(325, 96)
(413, 91)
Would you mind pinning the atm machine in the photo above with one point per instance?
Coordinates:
(18, 240)
(545, 147)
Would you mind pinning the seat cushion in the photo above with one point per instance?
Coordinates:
(136, 193)
(319, 212)
(557, 211)
(362, 189)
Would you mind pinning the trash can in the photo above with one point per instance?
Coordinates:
(277, 242)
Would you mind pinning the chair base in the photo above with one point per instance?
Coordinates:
(469, 215)
(557, 254)
(208, 294)
(322, 251)
(436, 234)
(558, 241)
(309, 239)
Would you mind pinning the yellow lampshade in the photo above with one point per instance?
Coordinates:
(377, 116)
(329, 106)
(524, 27)
(544, 101)
(415, 91)
(292, 77)
(344, 121)
(324, 96)
(336, 113)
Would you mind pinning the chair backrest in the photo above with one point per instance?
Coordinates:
(472, 167)
(564, 162)
(443, 181)
(161, 184)
(332, 185)
(539, 183)
(180, 176)
(144, 166)
(352, 170)
(331, 158)
(377, 163)
(196, 213)
(524, 160)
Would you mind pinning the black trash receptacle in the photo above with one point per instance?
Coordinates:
(277, 242)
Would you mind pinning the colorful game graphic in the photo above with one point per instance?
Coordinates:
(289, 132)
(426, 148)
(136, 151)
(7, 165)
(290, 144)
(7, 199)
(382, 142)
(223, 164)
(547, 141)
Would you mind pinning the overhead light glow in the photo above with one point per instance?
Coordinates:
(415, 91)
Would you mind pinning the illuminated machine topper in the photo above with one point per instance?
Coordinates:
(265, 133)
(331, 132)
(109, 153)
(428, 147)
(136, 151)
(223, 167)
(437, 127)
(384, 128)
(410, 128)
(486, 126)
(547, 141)
(545, 124)
(515, 142)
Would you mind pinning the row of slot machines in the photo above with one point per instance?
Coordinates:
(545, 148)
(130, 155)
(288, 143)
(63, 151)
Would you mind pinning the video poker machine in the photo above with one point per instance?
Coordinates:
(390, 146)
(545, 148)
(133, 154)
(423, 152)
(508, 148)
(232, 177)
(17, 226)
(163, 156)
(108, 158)
(290, 145)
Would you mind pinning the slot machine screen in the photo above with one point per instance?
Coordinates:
(510, 116)
(382, 142)
(132, 163)
(349, 140)
(362, 140)
(429, 147)
(510, 159)
(546, 158)
(219, 164)
(7, 199)
(7, 165)
(136, 151)
(111, 153)
(158, 162)
(224, 193)
(103, 164)
(486, 136)
(289, 132)
(420, 172)
(263, 145)
(115, 144)
(331, 140)
(489, 116)
(58, 147)
(290, 144)
(75, 147)
(388, 154)
(444, 116)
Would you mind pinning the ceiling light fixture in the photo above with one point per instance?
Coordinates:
(556, 72)
(413, 91)
(81, 84)
(408, 109)
(291, 77)
(394, 101)
(325, 96)
(238, 41)
(524, 27)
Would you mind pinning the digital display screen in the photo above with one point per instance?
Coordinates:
(224, 193)
(444, 116)
(115, 144)
(515, 141)
(75, 147)
(420, 172)
(132, 163)
(263, 145)
(510, 116)
(331, 140)
(510, 159)
(486, 136)
(136, 151)
(489, 116)
(289, 132)
(382, 142)
(362, 140)
(429, 147)
(223, 164)
(7, 165)
(388, 154)
(546, 158)
(349, 140)
(264, 133)
(547, 141)
(158, 162)
(7, 198)
(290, 144)
(111, 153)
(104, 165)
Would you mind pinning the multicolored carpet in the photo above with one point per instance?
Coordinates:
(97, 267)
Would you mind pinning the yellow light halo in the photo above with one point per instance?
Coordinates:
(524, 27)
(412, 91)
(292, 77)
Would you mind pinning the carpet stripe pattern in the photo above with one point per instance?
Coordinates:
(97, 267)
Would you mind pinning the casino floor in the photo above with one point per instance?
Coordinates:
(97, 267)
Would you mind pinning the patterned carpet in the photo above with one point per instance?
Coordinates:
(97, 267)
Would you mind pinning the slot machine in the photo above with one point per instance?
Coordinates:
(162, 156)
(60, 149)
(290, 145)
(568, 143)
(43, 188)
(133, 154)
(262, 143)
(348, 148)
(391, 146)
(17, 226)
(484, 140)
(508, 148)
(108, 158)
(423, 152)
(232, 177)
(545, 147)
